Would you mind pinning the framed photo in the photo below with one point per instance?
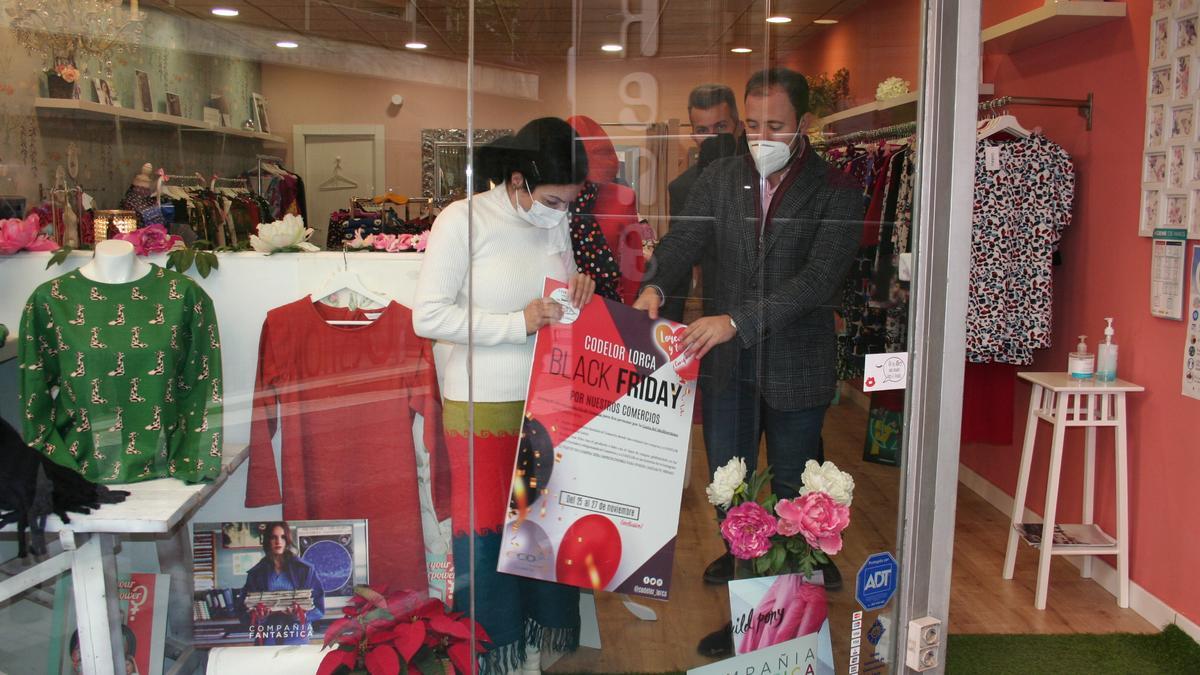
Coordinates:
(1183, 122)
(1184, 79)
(260, 113)
(1177, 158)
(211, 115)
(103, 91)
(144, 100)
(173, 106)
(1155, 168)
(218, 101)
(1160, 82)
(1177, 210)
(1160, 49)
(1152, 207)
(1185, 32)
(1156, 120)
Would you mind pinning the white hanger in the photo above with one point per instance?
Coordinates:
(1003, 124)
(337, 181)
(345, 280)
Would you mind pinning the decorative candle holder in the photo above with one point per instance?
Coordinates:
(113, 222)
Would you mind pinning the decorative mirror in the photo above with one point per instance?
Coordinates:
(444, 161)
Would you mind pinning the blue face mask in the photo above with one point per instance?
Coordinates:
(539, 215)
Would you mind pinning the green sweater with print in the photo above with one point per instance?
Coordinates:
(122, 382)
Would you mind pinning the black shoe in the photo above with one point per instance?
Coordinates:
(719, 571)
(833, 578)
(717, 644)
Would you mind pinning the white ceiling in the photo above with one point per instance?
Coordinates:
(530, 33)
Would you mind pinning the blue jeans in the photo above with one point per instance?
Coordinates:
(735, 419)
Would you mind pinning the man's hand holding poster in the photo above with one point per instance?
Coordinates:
(599, 473)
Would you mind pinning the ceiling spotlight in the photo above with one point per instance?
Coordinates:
(826, 22)
(779, 19)
(611, 48)
(286, 44)
(224, 11)
(415, 45)
(741, 50)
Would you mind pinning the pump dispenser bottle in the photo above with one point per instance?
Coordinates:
(1080, 363)
(1106, 353)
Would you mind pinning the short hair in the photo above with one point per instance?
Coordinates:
(287, 536)
(708, 96)
(790, 81)
(547, 151)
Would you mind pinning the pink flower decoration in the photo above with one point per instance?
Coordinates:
(419, 241)
(24, 235)
(404, 242)
(748, 529)
(151, 239)
(818, 517)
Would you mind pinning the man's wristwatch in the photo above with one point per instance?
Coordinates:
(733, 324)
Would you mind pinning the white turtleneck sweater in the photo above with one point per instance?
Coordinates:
(511, 261)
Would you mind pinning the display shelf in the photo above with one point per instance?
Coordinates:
(9, 349)
(96, 111)
(1049, 22)
(882, 113)
(1092, 540)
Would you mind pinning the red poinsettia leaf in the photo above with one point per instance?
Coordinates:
(480, 634)
(342, 630)
(383, 660)
(447, 626)
(334, 660)
(408, 638)
(462, 658)
(431, 608)
(372, 596)
(402, 603)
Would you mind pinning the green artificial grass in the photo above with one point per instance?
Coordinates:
(1165, 653)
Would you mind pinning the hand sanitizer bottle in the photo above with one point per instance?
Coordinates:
(1080, 363)
(1106, 365)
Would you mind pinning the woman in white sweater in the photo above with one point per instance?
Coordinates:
(518, 234)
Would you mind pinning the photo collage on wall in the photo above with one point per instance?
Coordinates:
(1171, 160)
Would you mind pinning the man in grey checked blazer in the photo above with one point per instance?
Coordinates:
(781, 246)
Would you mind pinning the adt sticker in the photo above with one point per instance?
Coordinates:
(876, 581)
(885, 371)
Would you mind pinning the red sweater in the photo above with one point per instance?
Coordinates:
(344, 399)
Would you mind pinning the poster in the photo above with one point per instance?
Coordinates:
(598, 477)
(766, 611)
(235, 603)
(1191, 350)
(1168, 266)
(142, 599)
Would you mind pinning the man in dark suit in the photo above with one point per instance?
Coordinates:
(716, 129)
(783, 228)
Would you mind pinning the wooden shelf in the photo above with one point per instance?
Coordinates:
(96, 111)
(1052, 21)
(878, 114)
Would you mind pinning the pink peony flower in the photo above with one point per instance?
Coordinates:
(420, 241)
(785, 526)
(151, 239)
(748, 529)
(404, 242)
(23, 235)
(818, 517)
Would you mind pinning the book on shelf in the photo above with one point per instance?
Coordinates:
(1069, 536)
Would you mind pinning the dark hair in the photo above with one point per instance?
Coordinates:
(266, 536)
(126, 632)
(789, 80)
(546, 152)
(708, 96)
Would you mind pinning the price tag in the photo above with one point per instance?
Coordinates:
(991, 157)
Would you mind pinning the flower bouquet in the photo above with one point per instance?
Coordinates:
(776, 536)
(62, 81)
(400, 632)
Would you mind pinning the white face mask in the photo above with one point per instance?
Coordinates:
(539, 215)
(770, 156)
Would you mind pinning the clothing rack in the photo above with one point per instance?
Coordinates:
(881, 134)
(357, 202)
(239, 183)
(278, 161)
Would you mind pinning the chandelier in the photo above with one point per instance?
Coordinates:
(76, 28)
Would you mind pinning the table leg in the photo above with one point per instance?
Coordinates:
(174, 556)
(1122, 504)
(1049, 516)
(97, 614)
(1018, 510)
(1089, 477)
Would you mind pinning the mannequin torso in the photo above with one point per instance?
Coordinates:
(115, 263)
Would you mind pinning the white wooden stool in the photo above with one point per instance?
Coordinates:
(1064, 402)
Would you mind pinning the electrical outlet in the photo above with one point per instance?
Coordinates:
(924, 639)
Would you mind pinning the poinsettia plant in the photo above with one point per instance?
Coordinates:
(400, 632)
(776, 536)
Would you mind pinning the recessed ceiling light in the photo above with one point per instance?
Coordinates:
(826, 22)
(415, 45)
(741, 50)
(779, 19)
(224, 11)
(611, 48)
(286, 44)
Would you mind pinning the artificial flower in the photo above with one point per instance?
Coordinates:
(726, 481)
(420, 241)
(151, 239)
(67, 72)
(288, 234)
(786, 526)
(818, 517)
(748, 529)
(891, 88)
(24, 235)
(360, 242)
(829, 479)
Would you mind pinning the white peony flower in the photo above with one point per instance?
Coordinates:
(726, 481)
(281, 234)
(891, 88)
(829, 479)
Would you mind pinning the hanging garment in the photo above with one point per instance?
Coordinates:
(1023, 195)
(138, 371)
(592, 254)
(344, 400)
